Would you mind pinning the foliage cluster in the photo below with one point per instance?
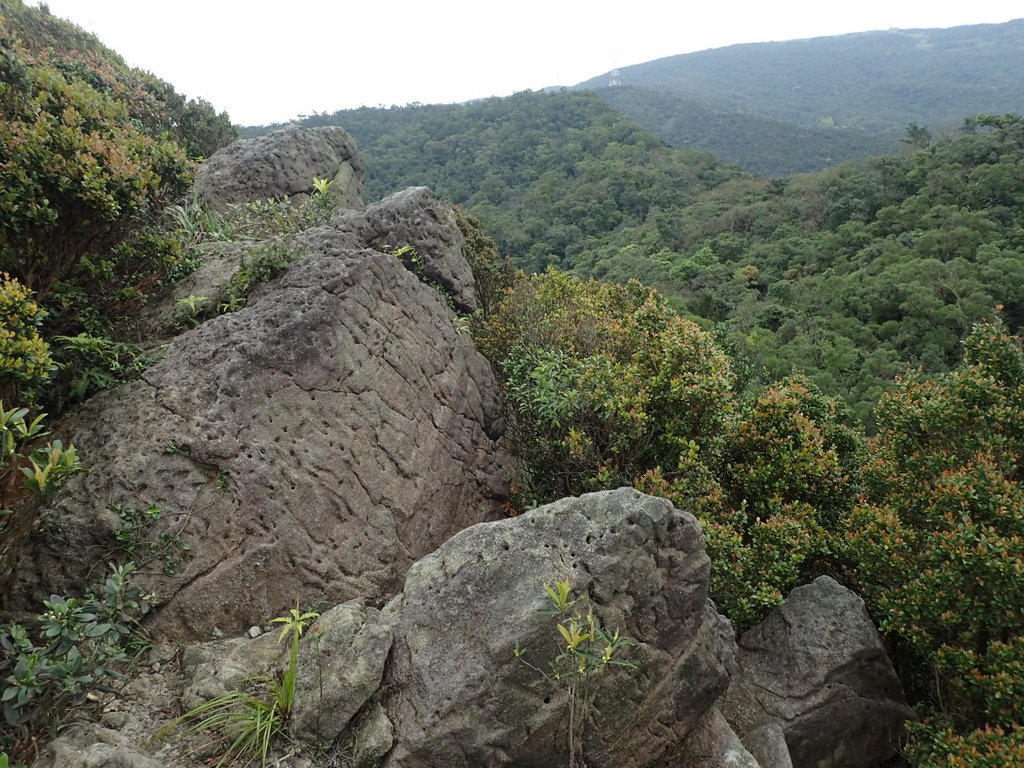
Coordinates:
(936, 544)
(25, 362)
(153, 104)
(74, 647)
(585, 649)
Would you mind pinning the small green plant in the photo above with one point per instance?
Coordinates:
(132, 537)
(190, 311)
(261, 265)
(585, 648)
(323, 205)
(75, 645)
(245, 723)
(49, 464)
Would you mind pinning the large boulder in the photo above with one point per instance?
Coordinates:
(816, 667)
(283, 164)
(456, 692)
(309, 448)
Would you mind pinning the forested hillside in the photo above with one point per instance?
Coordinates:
(712, 389)
(761, 145)
(871, 81)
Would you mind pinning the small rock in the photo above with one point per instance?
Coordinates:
(374, 738)
(254, 632)
(768, 746)
(115, 720)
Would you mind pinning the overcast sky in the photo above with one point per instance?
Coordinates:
(269, 61)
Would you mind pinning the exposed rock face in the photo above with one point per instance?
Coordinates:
(816, 666)
(92, 746)
(459, 698)
(341, 665)
(309, 447)
(713, 744)
(416, 217)
(280, 164)
(767, 744)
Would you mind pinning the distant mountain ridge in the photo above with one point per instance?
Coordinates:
(872, 82)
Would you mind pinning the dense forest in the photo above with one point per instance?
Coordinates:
(761, 145)
(827, 369)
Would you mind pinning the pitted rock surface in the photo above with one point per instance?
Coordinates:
(459, 698)
(416, 217)
(817, 667)
(309, 447)
(283, 164)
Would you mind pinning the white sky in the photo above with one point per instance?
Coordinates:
(269, 61)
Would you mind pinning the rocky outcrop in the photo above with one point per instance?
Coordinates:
(415, 217)
(459, 697)
(817, 668)
(283, 164)
(309, 448)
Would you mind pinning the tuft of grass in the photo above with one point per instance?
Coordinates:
(243, 726)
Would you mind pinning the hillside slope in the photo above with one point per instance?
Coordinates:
(871, 81)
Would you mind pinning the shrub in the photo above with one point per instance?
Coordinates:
(604, 382)
(78, 174)
(25, 362)
(75, 645)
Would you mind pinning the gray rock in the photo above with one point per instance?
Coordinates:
(282, 164)
(767, 744)
(340, 667)
(374, 737)
(457, 695)
(92, 746)
(817, 667)
(217, 667)
(308, 447)
(416, 217)
(713, 744)
(412, 217)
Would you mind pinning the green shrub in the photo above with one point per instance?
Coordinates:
(74, 646)
(934, 746)
(78, 174)
(604, 382)
(25, 362)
